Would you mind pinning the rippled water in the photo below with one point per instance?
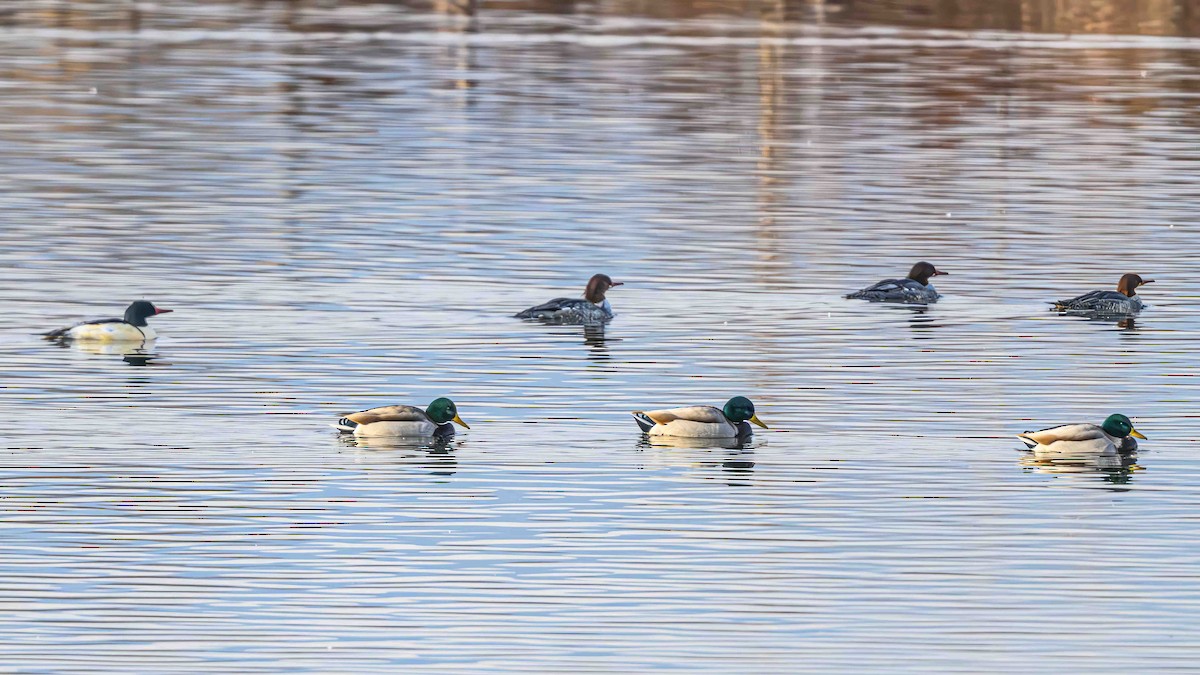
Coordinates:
(345, 204)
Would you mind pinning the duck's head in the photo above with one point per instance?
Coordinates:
(140, 310)
(740, 409)
(922, 271)
(597, 286)
(1119, 426)
(443, 410)
(1129, 283)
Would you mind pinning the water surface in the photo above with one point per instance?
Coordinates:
(345, 204)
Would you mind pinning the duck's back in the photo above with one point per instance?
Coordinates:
(897, 290)
(568, 310)
(1101, 302)
(103, 330)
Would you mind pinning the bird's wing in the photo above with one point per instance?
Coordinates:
(389, 413)
(1066, 432)
(696, 413)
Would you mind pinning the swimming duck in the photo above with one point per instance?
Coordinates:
(915, 288)
(404, 420)
(1114, 436)
(592, 308)
(701, 421)
(132, 327)
(1124, 300)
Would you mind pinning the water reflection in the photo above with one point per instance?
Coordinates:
(137, 354)
(1114, 469)
(648, 442)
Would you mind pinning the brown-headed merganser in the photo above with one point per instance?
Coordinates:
(1124, 300)
(131, 328)
(404, 420)
(701, 421)
(592, 308)
(915, 288)
(1114, 436)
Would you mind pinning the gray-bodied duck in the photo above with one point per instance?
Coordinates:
(592, 308)
(1124, 300)
(914, 289)
(701, 421)
(404, 420)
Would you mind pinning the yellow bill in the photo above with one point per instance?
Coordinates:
(1135, 434)
(458, 420)
(754, 419)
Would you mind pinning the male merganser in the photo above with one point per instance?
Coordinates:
(1124, 300)
(701, 421)
(915, 288)
(1115, 436)
(132, 327)
(592, 308)
(404, 420)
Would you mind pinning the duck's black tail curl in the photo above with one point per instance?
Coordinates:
(643, 421)
(345, 424)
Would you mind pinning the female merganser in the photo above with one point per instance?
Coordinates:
(1124, 300)
(701, 421)
(913, 289)
(132, 327)
(1115, 436)
(592, 308)
(404, 420)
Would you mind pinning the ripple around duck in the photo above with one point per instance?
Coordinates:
(346, 216)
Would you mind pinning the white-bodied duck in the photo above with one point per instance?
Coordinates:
(1115, 436)
(592, 308)
(132, 328)
(701, 421)
(404, 420)
(914, 289)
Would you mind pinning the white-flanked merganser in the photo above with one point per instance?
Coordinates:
(131, 328)
(701, 421)
(592, 308)
(915, 288)
(404, 420)
(1114, 436)
(1122, 301)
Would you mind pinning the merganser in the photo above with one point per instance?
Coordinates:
(592, 308)
(1115, 436)
(132, 327)
(1124, 300)
(404, 420)
(913, 289)
(701, 421)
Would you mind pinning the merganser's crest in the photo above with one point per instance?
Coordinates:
(1121, 302)
(592, 308)
(913, 289)
(133, 327)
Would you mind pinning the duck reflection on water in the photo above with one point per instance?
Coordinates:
(1114, 469)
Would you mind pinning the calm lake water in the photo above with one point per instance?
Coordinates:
(345, 203)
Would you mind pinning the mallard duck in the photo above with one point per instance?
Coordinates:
(915, 288)
(701, 421)
(592, 308)
(1115, 436)
(1124, 300)
(404, 420)
(131, 328)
